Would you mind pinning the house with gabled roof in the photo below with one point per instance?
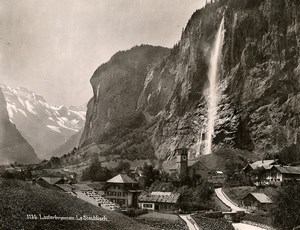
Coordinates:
(159, 201)
(122, 190)
(256, 200)
(49, 182)
(266, 164)
(279, 174)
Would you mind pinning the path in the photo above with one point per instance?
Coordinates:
(222, 196)
(234, 208)
(190, 222)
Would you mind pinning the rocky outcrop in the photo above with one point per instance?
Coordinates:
(13, 147)
(117, 85)
(259, 87)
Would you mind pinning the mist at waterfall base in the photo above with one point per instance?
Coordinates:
(213, 97)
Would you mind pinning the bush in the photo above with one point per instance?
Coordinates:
(196, 198)
(285, 211)
(257, 218)
(131, 212)
(212, 223)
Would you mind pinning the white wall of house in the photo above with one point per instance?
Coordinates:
(149, 206)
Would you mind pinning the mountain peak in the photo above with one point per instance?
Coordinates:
(32, 115)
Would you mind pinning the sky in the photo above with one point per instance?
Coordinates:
(54, 46)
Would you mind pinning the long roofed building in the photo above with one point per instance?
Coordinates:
(159, 201)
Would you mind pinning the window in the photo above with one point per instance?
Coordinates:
(147, 205)
(119, 193)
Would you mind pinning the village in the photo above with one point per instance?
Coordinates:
(171, 190)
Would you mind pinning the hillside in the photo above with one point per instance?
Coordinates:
(13, 146)
(20, 198)
(258, 85)
(68, 146)
(44, 126)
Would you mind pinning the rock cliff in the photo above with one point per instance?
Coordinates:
(259, 87)
(117, 85)
(13, 147)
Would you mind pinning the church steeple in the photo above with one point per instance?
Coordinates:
(182, 163)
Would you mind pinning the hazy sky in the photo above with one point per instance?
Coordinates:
(53, 46)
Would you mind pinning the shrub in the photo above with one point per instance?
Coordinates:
(285, 212)
(131, 212)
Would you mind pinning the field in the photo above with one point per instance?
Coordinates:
(212, 224)
(162, 221)
(19, 198)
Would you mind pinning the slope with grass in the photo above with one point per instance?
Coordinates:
(162, 221)
(18, 198)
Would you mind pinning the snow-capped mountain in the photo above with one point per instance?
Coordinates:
(44, 126)
(13, 146)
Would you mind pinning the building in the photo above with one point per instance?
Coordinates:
(266, 164)
(159, 201)
(49, 182)
(185, 168)
(217, 178)
(122, 190)
(278, 175)
(67, 188)
(98, 187)
(182, 163)
(88, 194)
(256, 200)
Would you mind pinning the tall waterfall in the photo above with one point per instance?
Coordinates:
(213, 85)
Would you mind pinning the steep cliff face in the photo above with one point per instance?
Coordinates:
(13, 147)
(117, 85)
(259, 86)
(259, 79)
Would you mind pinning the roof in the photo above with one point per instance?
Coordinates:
(288, 169)
(51, 180)
(159, 197)
(122, 179)
(263, 163)
(82, 187)
(194, 162)
(190, 164)
(65, 187)
(261, 197)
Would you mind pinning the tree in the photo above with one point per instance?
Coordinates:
(259, 173)
(289, 154)
(96, 172)
(149, 175)
(122, 167)
(285, 212)
(196, 198)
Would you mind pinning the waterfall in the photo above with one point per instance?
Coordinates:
(213, 85)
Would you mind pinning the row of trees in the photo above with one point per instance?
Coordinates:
(96, 172)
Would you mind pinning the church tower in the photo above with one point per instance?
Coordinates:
(182, 163)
